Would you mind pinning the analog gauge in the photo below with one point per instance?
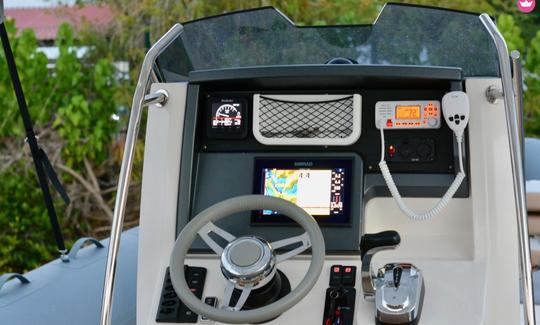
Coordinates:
(227, 115)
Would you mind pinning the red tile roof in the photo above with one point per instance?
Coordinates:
(45, 21)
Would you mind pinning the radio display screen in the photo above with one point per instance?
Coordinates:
(408, 112)
(320, 187)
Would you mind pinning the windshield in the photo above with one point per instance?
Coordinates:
(401, 35)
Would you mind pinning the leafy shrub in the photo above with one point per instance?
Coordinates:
(25, 238)
(71, 105)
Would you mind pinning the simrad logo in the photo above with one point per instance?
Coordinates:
(303, 164)
(526, 6)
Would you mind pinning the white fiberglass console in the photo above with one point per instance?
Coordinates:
(458, 245)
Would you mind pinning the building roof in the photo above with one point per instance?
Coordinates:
(45, 21)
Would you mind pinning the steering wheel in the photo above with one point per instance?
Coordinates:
(247, 262)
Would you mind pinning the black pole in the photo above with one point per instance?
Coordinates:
(37, 153)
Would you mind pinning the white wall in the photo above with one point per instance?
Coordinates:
(35, 3)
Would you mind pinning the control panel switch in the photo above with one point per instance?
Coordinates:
(335, 276)
(210, 301)
(171, 309)
(348, 278)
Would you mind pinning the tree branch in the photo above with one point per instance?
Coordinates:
(93, 191)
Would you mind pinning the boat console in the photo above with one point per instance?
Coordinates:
(314, 146)
(338, 175)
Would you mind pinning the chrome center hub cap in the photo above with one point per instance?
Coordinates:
(248, 260)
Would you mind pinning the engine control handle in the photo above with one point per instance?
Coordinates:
(369, 246)
(384, 239)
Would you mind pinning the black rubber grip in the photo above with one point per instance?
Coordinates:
(384, 238)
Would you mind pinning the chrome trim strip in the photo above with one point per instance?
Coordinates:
(517, 80)
(127, 164)
(512, 122)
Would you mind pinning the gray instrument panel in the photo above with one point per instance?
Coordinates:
(225, 175)
(214, 167)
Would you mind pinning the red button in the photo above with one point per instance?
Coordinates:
(348, 269)
(336, 269)
(389, 123)
(391, 152)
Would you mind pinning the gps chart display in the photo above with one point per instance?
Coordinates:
(320, 187)
(319, 192)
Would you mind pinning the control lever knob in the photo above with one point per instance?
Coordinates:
(369, 246)
(385, 239)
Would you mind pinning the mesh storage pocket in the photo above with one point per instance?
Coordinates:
(306, 119)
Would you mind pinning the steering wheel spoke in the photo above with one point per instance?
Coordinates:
(304, 241)
(229, 290)
(209, 228)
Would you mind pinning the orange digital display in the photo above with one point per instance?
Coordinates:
(408, 112)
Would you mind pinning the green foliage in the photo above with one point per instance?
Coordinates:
(85, 103)
(34, 76)
(25, 240)
(511, 32)
(71, 106)
(532, 82)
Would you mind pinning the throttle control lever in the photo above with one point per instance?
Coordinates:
(369, 246)
(397, 288)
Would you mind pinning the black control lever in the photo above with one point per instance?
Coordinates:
(369, 246)
(389, 238)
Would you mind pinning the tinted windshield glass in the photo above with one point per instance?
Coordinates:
(402, 35)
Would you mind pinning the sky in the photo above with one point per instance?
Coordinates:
(33, 3)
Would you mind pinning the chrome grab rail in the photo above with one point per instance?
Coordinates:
(139, 101)
(512, 122)
(518, 93)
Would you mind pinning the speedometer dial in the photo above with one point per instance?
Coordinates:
(227, 115)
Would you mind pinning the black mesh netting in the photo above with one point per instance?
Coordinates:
(285, 119)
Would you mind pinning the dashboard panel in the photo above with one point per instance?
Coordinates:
(439, 139)
(222, 157)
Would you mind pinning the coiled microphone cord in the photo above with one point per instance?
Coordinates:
(443, 202)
